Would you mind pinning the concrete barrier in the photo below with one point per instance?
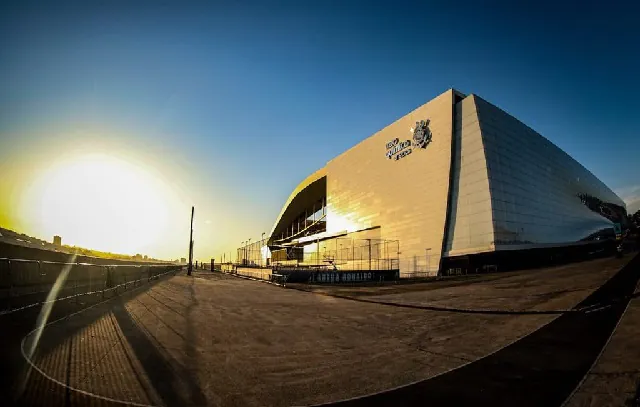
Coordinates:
(254, 272)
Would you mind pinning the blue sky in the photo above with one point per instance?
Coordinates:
(236, 104)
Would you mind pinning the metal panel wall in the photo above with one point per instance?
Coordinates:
(406, 197)
(470, 228)
(535, 185)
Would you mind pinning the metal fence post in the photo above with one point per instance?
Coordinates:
(75, 288)
(39, 276)
(10, 282)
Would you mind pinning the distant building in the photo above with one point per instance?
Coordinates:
(57, 240)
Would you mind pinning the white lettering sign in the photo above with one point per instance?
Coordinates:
(421, 135)
(396, 147)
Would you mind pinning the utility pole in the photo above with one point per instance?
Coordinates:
(190, 267)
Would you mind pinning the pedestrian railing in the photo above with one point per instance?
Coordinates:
(26, 284)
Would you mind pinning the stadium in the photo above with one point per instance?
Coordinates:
(456, 184)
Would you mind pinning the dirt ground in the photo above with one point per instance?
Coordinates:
(213, 339)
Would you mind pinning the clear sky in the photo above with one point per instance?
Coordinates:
(229, 107)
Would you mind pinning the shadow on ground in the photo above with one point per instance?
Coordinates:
(39, 390)
(541, 369)
(175, 384)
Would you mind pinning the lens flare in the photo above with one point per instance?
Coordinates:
(100, 202)
(34, 337)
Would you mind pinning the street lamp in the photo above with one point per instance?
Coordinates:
(261, 245)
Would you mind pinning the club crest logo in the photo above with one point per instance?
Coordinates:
(421, 134)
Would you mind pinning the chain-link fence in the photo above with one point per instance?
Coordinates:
(253, 254)
(342, 254)
(27, 283)
(419, 266)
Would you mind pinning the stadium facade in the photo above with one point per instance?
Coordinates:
(455, 178)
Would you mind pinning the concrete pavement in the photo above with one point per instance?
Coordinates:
(217, 340)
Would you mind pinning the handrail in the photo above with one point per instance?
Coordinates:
(86, 264)
(103, 284)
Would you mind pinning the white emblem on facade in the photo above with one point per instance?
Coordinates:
(421, 134)
(397, 149)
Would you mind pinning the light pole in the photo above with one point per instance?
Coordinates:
(261, 246)
(369, 240)
(249, 251)
(353, 255)
(190, 267)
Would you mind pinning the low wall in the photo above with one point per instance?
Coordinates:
(227, 267)
(337, 277)
(320, 276)
(259, 273)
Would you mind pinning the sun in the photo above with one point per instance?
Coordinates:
(99, 202)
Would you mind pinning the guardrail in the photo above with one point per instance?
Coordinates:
(25, 284)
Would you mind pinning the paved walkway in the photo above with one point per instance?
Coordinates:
(615, 378)
(218, 340)
(541, 369)
(544, 289)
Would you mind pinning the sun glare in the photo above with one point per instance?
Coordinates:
(99, 202)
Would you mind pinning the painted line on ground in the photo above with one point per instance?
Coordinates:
(255, 279)
(434, 376)
(485, 311)
(575, 390)
(429, 379)
(440, 309)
